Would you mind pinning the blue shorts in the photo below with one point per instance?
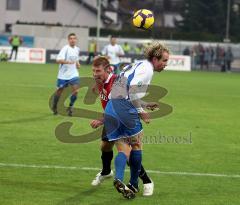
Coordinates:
(64, 83)
(121, 120)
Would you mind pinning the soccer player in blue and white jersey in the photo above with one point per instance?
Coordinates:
(124, 110)
(113, 52)
(104, 81)
(68, 60)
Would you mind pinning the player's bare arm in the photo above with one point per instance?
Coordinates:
(64, 62)
(96, 123)
(78, 65)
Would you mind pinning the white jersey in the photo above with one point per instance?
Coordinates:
(113, 53)
(133, 81)
(68, 71)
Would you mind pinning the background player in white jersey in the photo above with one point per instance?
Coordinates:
(68, 59)
(113, 51)
(124, 110)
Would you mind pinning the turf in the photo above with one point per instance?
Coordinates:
(205, 116)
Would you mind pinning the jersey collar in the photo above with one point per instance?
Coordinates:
(108, 79)
(150, 63)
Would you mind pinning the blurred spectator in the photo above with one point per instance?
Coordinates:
(211, 50)
(228, 58)
(218, 55)
(194, 57)
(3, 56)
(126, 48)
(186, 51)
(201, 55)
(207, 57)
(92, 49)
(138, 49)
(15, 41)
(221, 60)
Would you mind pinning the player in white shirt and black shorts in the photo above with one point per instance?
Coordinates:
(68, 60)
(113, 52)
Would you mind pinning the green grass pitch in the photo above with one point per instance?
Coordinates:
(206, 107)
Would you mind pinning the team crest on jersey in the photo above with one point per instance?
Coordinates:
(139, 84)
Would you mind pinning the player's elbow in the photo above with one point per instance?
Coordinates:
(58, 61)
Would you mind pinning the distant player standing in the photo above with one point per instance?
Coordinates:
(68, 59)
(15, 42)
(113, 51)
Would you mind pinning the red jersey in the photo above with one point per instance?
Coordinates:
(105, 89)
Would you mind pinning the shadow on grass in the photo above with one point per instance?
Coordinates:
(91, 197)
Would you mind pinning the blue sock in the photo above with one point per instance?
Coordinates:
(120, 163)
(135, 162)
(73, 98)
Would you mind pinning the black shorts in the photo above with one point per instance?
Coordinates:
(104, 137)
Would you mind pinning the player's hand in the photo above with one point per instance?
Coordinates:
(96, 123)
(152, 106)
(95, 89)
(145, 117)
(78, 65)
(70, 62)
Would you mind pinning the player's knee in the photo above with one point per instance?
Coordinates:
(75, 93)
(122, 146)
(106, 146)
(136, 142)
(128, 151)
(59, 91)
(136, 147)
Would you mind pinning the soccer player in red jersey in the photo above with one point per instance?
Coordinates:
(104, 81)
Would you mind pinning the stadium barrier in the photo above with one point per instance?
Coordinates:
(176, 62)
(27, 55)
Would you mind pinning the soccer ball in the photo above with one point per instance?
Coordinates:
(143, 19)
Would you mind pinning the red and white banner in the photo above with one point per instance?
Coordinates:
(26, 55)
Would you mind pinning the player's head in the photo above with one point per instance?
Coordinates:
(113, 40)
(158, 55)
(101, 69)
(72, 39)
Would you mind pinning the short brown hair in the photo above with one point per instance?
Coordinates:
(156, 49)
(71, 34)
(101, 61)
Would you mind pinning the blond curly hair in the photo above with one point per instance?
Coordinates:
(156, 49)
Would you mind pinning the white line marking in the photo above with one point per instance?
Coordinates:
(97, 169)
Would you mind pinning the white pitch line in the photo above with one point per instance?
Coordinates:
(97, 169)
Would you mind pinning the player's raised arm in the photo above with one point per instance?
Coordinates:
(78, 65)
(65, 62)
(121, 51)
(62, 57)
(104, 51)
(138, 88)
